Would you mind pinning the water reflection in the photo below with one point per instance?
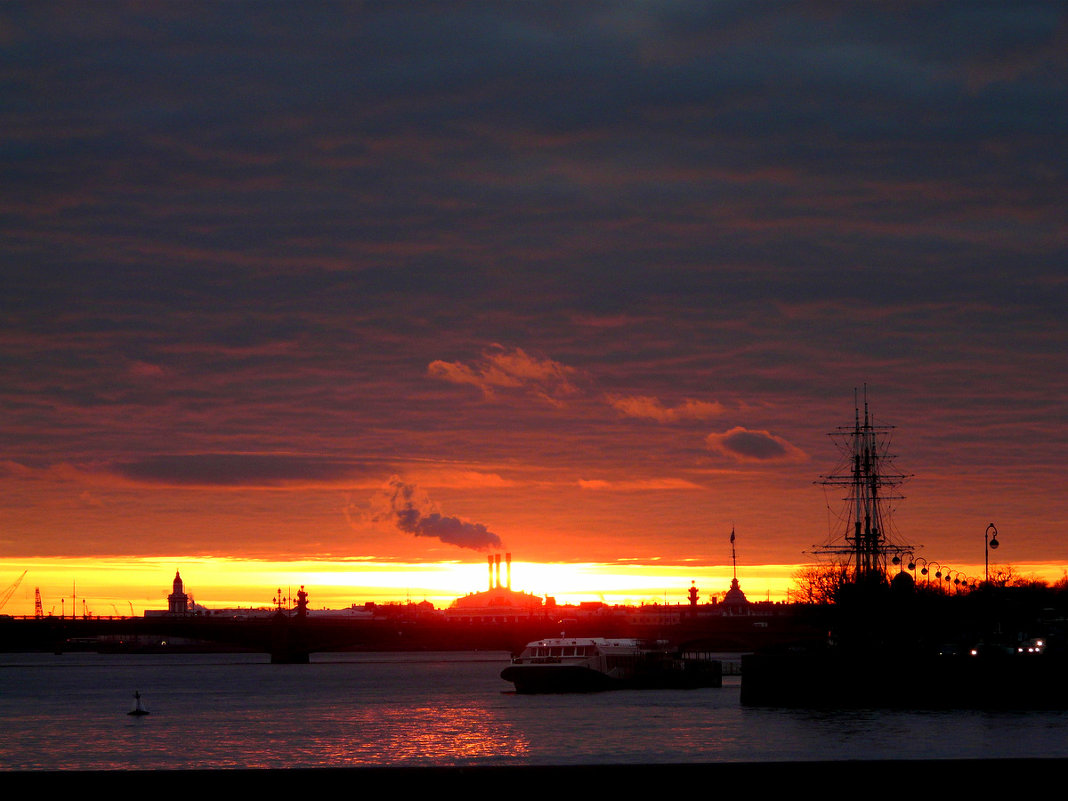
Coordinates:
(431, 735)
(70, 713)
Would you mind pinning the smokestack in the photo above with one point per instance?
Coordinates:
(497, 557)
(508, 560)
(490, 560)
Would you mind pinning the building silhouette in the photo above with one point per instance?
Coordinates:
(178, 601)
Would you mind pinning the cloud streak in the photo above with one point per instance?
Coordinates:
(240, 470)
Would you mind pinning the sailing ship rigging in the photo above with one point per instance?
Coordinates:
(866, 475)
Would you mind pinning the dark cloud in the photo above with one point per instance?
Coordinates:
(239, 470)
(753, 446)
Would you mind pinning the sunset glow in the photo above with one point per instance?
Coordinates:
(106, 587)
(591, 293)
(110, 586)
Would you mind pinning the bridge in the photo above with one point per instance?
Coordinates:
(292, 639)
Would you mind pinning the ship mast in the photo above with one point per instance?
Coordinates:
(870, 487)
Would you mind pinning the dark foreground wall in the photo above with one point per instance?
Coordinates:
(311, 635)
(830, 779)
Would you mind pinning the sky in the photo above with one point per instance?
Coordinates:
(370, 285)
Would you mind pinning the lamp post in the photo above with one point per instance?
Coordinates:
(935, 569)
(990, 543)
(900, 559)
(925, 570)
(939, 575)
(948, 578)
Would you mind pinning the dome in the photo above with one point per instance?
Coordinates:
(735, 596)
(902, 582)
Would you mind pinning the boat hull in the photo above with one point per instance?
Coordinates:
(563, 678)
(530, 679)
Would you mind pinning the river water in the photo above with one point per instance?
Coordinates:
(224, 711)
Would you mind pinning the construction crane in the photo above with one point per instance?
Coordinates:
(38, 607)
(6, 595)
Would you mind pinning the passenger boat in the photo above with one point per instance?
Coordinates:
(592, 664)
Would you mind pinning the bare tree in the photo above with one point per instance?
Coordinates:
(1009, 576)
(819, 584)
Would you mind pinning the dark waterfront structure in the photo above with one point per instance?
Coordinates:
(891, 643)
(290, 637)
(993, 648)
(498, 618)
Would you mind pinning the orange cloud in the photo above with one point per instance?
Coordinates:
(458, 478)
(142, 369)
(504, 369)
(638, 484)
(647, 407)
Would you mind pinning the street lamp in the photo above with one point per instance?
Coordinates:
(899, 559)
(925, 570)
(942, 574)
(990, 543)
(947, 578)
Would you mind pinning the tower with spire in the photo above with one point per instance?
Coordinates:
(178, 601)
(735, 599)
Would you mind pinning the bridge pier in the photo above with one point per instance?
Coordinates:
(289, 643)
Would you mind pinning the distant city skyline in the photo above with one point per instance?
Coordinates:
(384, 288)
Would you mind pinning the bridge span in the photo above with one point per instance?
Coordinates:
(292, 639)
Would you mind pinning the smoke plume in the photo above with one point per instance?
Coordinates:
(412, 511)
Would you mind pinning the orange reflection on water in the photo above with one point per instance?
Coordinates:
(461, 733)
(441, 735)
